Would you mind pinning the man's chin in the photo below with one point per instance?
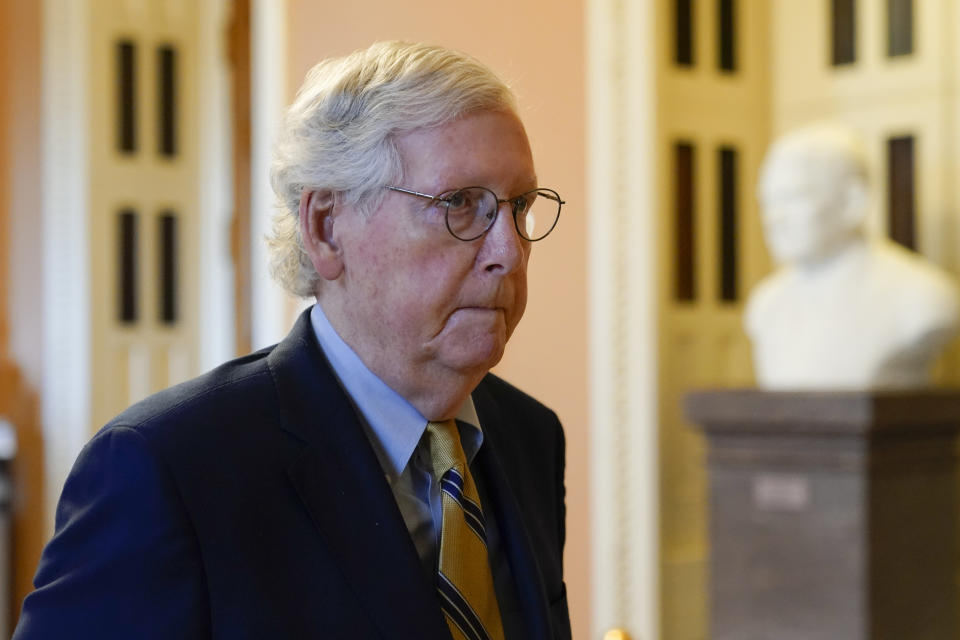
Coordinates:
(472, 342)
(475, 357)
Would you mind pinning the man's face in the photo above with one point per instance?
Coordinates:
(804, 216)
(415, 300)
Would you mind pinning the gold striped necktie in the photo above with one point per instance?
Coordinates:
(464, 582)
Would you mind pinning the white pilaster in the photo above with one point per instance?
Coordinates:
(66, 264)
(216, 264)
(623, 344)
(268, 88)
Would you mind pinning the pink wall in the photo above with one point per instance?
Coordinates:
(22, 181)
(538, 47)
(21, 250)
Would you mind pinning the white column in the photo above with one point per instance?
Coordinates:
(66, 264)
(268, 89)
(216, 321)
(623, 345)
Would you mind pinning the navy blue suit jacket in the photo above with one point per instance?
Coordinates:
(248, 503)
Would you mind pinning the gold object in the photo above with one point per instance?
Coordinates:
(616, 634)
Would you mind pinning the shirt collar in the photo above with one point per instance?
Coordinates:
(395, 427)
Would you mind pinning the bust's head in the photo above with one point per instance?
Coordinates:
(813, 192)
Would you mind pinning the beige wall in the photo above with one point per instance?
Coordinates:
(538, 46)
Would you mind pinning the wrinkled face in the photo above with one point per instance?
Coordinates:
(804, 210)
(413, 295)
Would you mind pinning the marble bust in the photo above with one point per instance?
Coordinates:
(845, 310)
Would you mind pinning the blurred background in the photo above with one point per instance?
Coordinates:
(134, 150)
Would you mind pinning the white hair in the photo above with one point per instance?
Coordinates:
(340, 132)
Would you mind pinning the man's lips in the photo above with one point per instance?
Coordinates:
(479, 309)
(478, 312)
(500, 301)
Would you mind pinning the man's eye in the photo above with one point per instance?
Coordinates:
(458, 200)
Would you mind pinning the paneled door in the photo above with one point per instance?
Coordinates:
(144, 194)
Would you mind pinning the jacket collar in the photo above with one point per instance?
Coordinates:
(531, 592)
(341, 483)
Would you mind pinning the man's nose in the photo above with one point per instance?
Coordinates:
(503, 249)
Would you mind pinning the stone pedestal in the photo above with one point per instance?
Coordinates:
(833, 516)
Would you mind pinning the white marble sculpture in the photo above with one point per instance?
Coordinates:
(845, 310)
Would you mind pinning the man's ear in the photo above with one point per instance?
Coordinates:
(317, 232)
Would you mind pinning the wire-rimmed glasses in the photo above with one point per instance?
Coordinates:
(469, 212)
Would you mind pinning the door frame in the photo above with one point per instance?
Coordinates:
(65, 394)
(623, 315)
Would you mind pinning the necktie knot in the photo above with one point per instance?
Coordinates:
(446, 451)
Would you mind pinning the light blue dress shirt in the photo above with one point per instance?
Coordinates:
(395, 430)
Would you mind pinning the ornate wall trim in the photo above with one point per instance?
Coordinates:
(623, 338)
(216, 322)
(66, 262)
(269, 92)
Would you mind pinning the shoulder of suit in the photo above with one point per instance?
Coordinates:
(229, 388)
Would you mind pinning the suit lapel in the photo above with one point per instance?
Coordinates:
(343, 488)
(523, 563)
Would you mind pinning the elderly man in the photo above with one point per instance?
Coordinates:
(366, 477)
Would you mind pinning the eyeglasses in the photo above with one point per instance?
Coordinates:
(471, 211)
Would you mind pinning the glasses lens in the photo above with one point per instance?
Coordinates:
(537, 213)
(470, 212)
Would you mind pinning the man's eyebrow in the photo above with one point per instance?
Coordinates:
(530, 181)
